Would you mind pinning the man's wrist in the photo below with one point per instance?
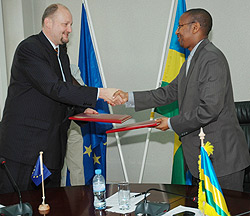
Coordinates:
(169, 124)
(131, 101)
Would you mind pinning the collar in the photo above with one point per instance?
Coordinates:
(52, 44)
(195, 48)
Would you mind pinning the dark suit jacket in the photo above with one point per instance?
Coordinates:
(205, 99)
(39, 103)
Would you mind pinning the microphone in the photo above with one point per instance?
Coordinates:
(147, 208)
(17, 209)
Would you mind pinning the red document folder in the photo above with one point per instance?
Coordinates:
(108, 118)
(138, 125)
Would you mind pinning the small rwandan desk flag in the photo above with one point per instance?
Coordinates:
(176, 57)
(36, 175)
(94, 133)
(210, 197)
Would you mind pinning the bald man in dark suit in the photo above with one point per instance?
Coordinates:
(204, 92)
(41, 97)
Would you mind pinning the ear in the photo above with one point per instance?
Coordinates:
(196, 27)
(48, 23)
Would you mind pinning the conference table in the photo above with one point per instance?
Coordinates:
(78, 200)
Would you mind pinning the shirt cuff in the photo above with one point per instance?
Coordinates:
(131, 101)
(169, 124)
(98, 92)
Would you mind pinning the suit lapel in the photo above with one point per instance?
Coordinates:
(196, 55)
(184, 78)
(52, 55)
(65, 65)
(58, 72)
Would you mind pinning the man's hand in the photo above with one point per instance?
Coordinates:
(163, 126)
(120, 97)
(107, 94)
(90, 111)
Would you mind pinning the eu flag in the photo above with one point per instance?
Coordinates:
(94, 134)
(36, 175)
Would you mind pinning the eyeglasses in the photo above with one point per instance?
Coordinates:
(179, 26)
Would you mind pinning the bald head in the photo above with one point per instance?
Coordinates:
(51, 10)
(203, 17)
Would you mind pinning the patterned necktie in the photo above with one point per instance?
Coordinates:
(56, 49)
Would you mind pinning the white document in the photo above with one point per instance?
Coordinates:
(113, 202)
(180, 209)
(1, 206)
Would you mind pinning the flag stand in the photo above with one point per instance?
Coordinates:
(43, 208)
(164, 51)
(104, 82)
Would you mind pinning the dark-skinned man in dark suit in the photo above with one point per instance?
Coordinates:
(204, 93)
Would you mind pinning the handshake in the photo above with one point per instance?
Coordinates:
(113, 96)
(117, 97)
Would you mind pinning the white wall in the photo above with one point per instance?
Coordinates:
(130, 37)
(3, 74)
(230, 33)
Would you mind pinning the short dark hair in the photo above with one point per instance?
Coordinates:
(203, 17)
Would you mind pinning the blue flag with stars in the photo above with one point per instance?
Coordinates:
(36, 175)
(94, 133)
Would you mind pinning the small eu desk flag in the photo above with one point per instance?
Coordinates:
(36, 175)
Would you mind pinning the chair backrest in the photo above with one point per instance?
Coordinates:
(243, 115)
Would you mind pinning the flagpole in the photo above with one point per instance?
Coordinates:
(43, 208)
(164, 51)
(202, 137)
(41, 171)
(92, 33)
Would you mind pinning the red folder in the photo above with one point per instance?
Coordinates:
(108, 118)
(138, 125)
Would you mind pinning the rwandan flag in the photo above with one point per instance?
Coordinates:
(94, 134)
(211, 200)
(176, 58)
